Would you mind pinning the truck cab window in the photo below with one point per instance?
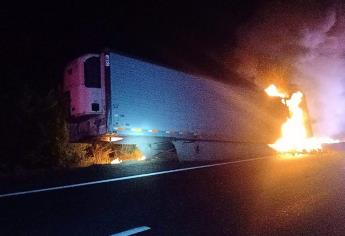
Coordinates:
(92, 73)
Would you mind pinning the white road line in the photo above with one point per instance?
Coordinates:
(125, 178)
(132, 231)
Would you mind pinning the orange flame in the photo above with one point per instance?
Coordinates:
(294, 133)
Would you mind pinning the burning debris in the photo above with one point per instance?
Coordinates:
(294, 132)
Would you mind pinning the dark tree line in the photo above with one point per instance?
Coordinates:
(34, 128)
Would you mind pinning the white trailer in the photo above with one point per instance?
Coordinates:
(119, 98)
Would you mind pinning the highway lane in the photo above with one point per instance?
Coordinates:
(260, 197)
(48, 178)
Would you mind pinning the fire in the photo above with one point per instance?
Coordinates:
(294, 133)
(273, 91)
(116, 161)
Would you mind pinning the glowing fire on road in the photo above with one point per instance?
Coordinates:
(294, 133)
(116, 161)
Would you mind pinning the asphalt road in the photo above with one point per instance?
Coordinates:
(259, 197)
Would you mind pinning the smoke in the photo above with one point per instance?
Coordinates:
(300, 43)
(321, 74)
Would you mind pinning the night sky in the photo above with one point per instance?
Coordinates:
(39, 39)
(227, 40)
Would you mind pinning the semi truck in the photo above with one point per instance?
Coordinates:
(119, 98)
